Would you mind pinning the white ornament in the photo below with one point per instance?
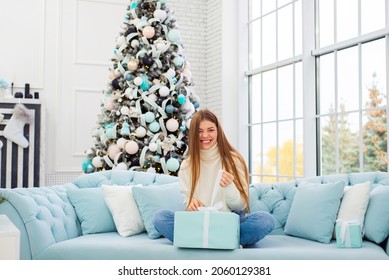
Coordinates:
(140, 132)
(132, 147)
(125, 110)
(160, 14)
(171, 72)
(134, 43)
(97, 162)
(153, 147)
(164, 91)
(138, 81)
(121, 166)
(153, 97)
(121, 41)
(172, 125)
(120, 142)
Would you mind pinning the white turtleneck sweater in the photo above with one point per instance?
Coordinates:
(209, 167)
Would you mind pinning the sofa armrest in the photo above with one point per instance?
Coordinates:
(44, 215)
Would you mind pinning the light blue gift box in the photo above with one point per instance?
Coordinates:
(206, 229)
(350, 236)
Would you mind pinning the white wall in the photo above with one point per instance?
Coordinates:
(63, 49)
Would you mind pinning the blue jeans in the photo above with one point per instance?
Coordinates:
(253, 227)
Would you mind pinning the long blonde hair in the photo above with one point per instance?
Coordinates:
(228, 154)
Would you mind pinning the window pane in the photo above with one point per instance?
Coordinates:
(326, 22)
(373, 16)
(347, 19)
(328, 144)
(286, 148)
(268, 6)
(373, 74)
(269, 96)
(348, 80)
(255, 11)
(285, 92)
(298, 28)
(375, 141)
(285, 32)
(327, 84)
(256, 154)
(348, 132)
(269, 149)
(255, 44)
(255, 102)
(281, 3)
(299, 89)
(269, 39)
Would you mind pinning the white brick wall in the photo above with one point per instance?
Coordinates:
(192, 20)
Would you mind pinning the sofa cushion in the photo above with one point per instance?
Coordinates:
(124, 210)
(111, 246)
(91, 209)
(354, 202)
(377, 215)
(154, 197)
(314, 210)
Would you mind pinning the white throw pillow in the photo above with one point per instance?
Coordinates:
(354, 202)
(124, 209)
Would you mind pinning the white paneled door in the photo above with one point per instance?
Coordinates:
(88, 34)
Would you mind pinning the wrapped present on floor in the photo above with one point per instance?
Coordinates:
(208, 227)
(348, 234)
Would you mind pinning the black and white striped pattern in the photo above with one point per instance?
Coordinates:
(21, 167)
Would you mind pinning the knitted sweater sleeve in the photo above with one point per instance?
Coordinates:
(184, 180)
(231, 193)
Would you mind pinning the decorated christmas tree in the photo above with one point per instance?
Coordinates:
(149, 99)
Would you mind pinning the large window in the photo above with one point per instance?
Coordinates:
(347, 90)
(275, 85)
(351, 86)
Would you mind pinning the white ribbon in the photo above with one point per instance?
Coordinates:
(213, 208)
(344, 233)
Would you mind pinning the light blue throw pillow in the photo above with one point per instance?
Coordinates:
(314, 210)
(154, 197)
(377, 215)
(92, 211)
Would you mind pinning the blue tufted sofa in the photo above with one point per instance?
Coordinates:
(50, 228)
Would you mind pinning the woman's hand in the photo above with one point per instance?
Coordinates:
(227, 179)
(194, 205)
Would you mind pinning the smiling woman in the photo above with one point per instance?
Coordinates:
(210, 157)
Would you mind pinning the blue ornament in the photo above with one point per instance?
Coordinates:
(85, 164)
(154, 127)
(174, 79)
(145, 83)
(178, 61)
(174, 35)
(149, 117)
(172, 164)
(181, 98)
(196, 104)
(128, 76)
(183, 128)
(134, 5)
(125, 131)
(169, 109)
